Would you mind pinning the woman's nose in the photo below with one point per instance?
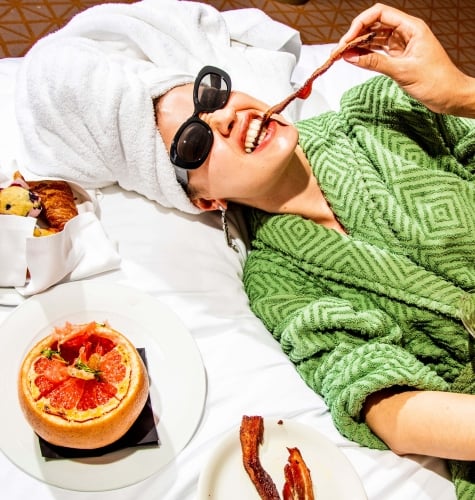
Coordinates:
(221, 120)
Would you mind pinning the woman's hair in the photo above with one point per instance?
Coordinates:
(192, 192)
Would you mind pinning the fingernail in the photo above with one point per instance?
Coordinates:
(352, 58)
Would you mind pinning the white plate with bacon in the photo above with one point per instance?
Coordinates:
(225, 478)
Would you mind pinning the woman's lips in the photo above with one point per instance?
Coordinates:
(252, 141)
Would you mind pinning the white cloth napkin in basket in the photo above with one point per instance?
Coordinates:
(80, 250)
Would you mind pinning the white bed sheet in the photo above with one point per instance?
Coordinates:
(184, 262)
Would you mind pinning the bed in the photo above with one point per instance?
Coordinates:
(182, 263)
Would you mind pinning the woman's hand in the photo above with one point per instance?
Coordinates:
(406, 50)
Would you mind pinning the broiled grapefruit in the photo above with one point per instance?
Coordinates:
(83, 386)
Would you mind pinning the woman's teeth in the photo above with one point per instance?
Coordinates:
(252, 141)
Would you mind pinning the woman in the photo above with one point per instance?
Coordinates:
(360, 277)
(362, 221)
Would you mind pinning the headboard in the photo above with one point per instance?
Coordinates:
(319, 21)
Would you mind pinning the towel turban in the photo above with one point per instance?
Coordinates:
(85, 93)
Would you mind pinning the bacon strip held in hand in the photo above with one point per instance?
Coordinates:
(298, 481)
(304, 91)
(251, 434)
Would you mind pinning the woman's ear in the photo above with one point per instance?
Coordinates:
(208, 205)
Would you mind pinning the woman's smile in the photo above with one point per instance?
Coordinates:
(252, 139)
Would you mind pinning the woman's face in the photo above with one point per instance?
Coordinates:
(230, 173)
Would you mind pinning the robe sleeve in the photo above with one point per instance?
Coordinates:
(343, 351)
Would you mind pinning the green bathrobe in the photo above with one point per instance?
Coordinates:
(377, 307)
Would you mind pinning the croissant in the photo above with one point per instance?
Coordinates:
(57, 200)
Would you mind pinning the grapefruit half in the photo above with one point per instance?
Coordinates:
(83, 386)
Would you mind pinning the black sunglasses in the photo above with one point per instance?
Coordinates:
(193, 141)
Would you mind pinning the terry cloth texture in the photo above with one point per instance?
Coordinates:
(378, 307)
(85, 94)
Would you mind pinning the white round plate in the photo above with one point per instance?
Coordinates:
(333, 477)
(177, 390)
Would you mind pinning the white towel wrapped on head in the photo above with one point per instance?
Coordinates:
(84, 94)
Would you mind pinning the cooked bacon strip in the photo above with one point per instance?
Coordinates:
(251, 435)
(298, 482)
(304, 91)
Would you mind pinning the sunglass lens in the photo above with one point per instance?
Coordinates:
(194, 143)
(213, 92)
